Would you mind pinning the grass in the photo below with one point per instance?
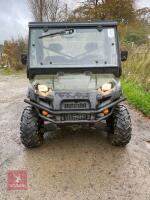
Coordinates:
(136, 78)
(137, 96)
(137, 68)
(11, 71)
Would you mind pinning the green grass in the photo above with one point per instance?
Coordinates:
(11, 71)
(137, 96)
(137, 67)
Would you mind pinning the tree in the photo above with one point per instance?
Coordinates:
(121, 10)
(36, 7)
(12, 51)
(44, 10)
(143, 14)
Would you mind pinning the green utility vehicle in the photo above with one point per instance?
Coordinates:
(74, 71)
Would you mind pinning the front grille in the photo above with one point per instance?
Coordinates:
(75, 105)
(75, 117)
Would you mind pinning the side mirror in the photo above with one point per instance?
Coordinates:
(24, 58)
(124, 55)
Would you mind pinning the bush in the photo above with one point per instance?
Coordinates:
(136, 38)
(12, 51)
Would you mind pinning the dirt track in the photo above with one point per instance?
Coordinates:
(71, 166)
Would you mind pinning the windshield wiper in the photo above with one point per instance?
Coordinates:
(64, 32)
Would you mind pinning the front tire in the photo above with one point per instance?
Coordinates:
(119, 126)
(30, 128)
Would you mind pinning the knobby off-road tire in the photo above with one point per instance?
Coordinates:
(30, 128)
(119, 126)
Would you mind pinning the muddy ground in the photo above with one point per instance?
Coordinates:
(71, 166)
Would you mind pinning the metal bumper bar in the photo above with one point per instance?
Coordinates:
(60, 112)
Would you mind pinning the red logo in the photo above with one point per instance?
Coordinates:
(17, 180)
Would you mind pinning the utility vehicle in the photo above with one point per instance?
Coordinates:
(74, 71)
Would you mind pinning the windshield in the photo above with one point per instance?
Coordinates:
(77, 47)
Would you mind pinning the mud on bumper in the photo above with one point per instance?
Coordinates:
(74, 116)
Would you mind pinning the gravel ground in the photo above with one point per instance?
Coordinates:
(71, 166)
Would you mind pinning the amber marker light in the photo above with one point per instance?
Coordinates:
(106, 111)
(45, 113)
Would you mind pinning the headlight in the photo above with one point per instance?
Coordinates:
(106, 87)
(44, 91)
(42, 88)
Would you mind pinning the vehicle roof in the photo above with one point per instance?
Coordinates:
(72, 24)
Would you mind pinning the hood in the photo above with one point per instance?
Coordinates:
(74, 81)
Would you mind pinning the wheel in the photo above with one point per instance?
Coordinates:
(30, 128)
(119, 126)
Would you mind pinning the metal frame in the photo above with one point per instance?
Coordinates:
(59, 112)
(72, 24)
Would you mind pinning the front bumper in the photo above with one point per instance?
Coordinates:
(40, 107)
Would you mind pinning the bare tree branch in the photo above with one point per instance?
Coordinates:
(44, 10)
